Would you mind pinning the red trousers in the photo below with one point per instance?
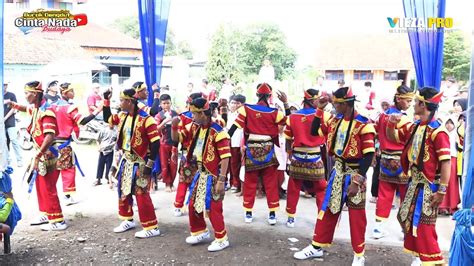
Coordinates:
(146, 210)
(425, 245)
(197, 223)
(452, 198)
(169, 163)
(270, 183)
(293, 194)
(48, 200)
(324, 229)
(235, 164)
(385, 198)
(69, 180)
(181, 194)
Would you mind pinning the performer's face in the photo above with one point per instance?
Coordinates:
(126, 105)
(404, 103)
(143, 94)
(419, 107)
(200, 118)
(30, 97)
(69, 94)
(340, 107)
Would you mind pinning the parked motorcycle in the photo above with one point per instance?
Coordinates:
(24, 138)
(89, 132)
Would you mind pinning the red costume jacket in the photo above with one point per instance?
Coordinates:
(260, 119)
(143, 133)
(437, 147)
(361, 139)
(43, 121)
(298, 128)
(381, 126)
(69, 118)
(217, 146)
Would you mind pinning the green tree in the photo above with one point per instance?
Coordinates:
(128, 25)
(456, 56)
(225, 54)
(267, 41)
(184, 48)
(239, 53)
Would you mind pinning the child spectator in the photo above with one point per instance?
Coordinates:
(168, 147)
(106, 140)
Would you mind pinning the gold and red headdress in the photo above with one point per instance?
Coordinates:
(436, 99)
(205, 107)
(264, 88)
(308, 96)
(343, 94)
(38, 88)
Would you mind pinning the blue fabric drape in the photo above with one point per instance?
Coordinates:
(426, 46)
(153, 17)
(462, 243)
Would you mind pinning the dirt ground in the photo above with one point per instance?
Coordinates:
(101, 246)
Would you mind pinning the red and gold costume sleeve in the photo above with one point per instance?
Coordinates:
(280, 118)
(48, 121)
(402, 129)
(223, 144)
(325, 120)
(114, 119)
(367, 136)
(240, 120)
(441, 143)
(151, 129)
(288, 133)
(29, 110)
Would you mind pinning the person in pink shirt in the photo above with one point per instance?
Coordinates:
(94, 99)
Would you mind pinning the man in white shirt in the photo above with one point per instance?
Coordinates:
(236, 101)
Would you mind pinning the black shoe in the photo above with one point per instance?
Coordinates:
(97, 183)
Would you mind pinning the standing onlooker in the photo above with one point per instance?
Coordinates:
(94, 99)
(106, 140)
(451, 200)
(52, 92)
(236, 102)
(10, 126)
(226, 90)
(168, 147)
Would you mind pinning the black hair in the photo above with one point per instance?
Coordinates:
(201, 102)
(462, 102)
(137, 84)
(402, 89)
(52, 83)
(65, 85)
(238, 98)
(165, 97)
(35, 84)
(428, 93)
(205, 81)
(264, 97)
(190, 83)
(368, 84)
(341, 82)
(195, 95)
(311, 92)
